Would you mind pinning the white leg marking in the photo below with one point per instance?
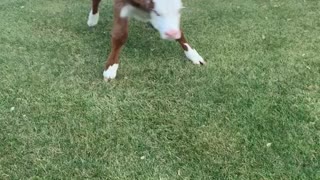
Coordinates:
(111, 72)
(193, 55)
(93, 19)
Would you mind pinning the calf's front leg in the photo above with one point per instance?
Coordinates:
(119, 37)
(191, 53)
(94, 13)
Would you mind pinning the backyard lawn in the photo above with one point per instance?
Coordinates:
(253, 112)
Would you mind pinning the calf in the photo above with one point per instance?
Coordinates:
(164, 15)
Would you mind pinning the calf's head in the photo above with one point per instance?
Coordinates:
(165, 17)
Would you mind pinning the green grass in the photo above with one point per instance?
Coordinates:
(252, 113)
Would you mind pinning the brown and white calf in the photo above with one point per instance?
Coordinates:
(164, 15)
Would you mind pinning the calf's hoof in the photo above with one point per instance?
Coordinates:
(194, 56)
(111, 72)
(93, 19)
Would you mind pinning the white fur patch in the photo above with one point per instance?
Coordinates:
(129, 11)
(193, 55)
(126, 11)
(93, 19)
(111, 72)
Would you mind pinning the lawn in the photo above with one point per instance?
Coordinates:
(253, 112)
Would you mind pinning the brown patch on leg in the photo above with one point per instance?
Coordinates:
(95, 6)
(182, 41)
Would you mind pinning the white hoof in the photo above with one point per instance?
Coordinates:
(93, 19)
(193, 55)
(111, 72)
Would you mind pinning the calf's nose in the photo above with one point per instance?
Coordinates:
(173, 34)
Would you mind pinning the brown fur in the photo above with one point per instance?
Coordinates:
(146, 5)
